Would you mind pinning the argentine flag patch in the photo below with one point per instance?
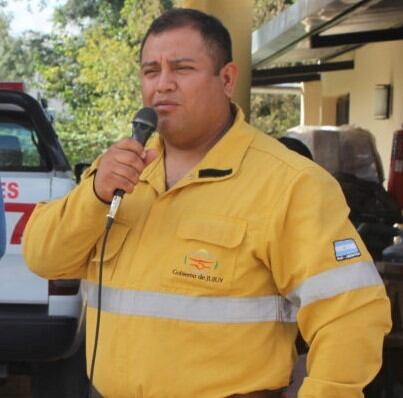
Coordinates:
(346, 248)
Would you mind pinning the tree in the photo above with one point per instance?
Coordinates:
(18, 55)
(96, 73)
(13, 54)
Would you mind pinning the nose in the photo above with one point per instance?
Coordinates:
(166, 81)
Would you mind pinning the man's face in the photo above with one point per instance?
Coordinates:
(178, 80)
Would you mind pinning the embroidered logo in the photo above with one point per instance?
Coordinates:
(201, 260)
(200, 265)
(345, 249)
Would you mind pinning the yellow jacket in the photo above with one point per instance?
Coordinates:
(204, 283)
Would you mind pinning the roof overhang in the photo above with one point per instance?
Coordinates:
(315, 31)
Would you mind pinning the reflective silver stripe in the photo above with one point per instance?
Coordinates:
(335, 281)
(191, 308)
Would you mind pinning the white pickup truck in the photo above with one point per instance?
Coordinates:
(41, 321)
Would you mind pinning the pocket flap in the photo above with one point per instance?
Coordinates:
(116, 238)
(220, 231)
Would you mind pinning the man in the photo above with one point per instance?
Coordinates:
(223, 241)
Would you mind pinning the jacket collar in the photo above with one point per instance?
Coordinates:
(222, 161)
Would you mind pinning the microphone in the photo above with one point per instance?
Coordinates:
(144, 123)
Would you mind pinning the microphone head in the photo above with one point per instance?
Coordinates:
(147, 116)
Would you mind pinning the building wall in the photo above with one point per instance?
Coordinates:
(378, 63)
(237, 16)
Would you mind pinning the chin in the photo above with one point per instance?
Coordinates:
(167, 127)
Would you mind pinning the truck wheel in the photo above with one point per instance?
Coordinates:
(66, 378)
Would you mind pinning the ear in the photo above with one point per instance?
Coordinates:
(228, 76)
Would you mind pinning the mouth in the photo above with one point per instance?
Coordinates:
(165, 106)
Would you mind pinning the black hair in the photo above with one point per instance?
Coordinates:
(213, 32)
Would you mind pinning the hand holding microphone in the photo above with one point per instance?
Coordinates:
(121, 165)
(144, 123)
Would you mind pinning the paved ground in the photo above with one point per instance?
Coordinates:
(297, 376)
(16, 387)
(20, 386)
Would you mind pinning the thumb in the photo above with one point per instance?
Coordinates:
(151, 154)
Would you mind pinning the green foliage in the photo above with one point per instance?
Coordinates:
(85, 12)
(14, 54)
(90, 63)
(96, 73)
(275, 113)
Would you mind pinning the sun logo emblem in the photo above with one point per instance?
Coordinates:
(202, 260)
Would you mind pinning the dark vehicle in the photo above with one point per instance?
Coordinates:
(350, 154)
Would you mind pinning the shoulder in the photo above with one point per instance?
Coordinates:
(271, 151)
(271, 160)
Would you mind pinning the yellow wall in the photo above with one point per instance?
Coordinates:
(236, 15)
(310, 103)
(380, 63)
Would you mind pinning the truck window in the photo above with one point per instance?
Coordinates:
(20, 149)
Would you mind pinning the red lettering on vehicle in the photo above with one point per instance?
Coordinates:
(26, 209)
(10, 190)
(13, 190)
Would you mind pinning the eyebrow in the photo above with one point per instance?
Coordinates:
(175, 61)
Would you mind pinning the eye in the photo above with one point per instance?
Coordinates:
(150, 72)
(184, 68)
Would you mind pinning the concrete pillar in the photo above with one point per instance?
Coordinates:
(236, 15)
(311, 103)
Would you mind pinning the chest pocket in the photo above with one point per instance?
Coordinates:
(206, 253)
(116, 239)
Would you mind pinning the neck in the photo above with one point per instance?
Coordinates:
(203, 143)
(179, 161)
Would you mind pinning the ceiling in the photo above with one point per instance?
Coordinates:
(312, 32)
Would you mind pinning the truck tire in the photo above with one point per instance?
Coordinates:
(65, 378)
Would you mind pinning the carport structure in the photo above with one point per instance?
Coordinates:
(347, 56)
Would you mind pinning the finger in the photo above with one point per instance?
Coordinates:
(120, 182)
(128, 158)
(112, 175)
(129, 144)
(126, 172)
(105, 185)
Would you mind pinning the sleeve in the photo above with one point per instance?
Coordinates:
(60, 235)
(3, 232)
(321, 265)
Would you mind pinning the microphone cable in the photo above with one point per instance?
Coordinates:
(144, 123)
(108, 226)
